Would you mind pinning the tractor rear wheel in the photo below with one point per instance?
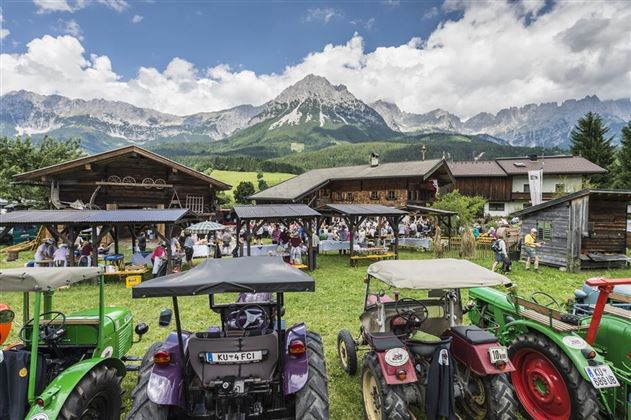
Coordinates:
(489, 397)
(97, 396)
(381, 401)
(548, 384)
(141, 406)
(347, 352)
(312, 401)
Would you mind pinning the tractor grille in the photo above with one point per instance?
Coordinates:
(124, 339)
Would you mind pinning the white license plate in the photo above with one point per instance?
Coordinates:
(498, 354)
(602, 376)
(235, 357)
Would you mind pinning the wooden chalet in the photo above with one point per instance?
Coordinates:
(503, 182)
(127, 178)
(390, 184)
(583, 230)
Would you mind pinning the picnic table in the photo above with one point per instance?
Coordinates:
(330, 245)
(418, 243)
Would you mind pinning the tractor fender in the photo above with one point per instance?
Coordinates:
(61, 387)
(295, 367)
(574, 354)
(166, 382)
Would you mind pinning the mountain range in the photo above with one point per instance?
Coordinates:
(310, 115)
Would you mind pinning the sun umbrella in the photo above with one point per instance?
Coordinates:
(205, 227)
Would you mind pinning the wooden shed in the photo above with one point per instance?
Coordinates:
(127, 178)
(583, 230)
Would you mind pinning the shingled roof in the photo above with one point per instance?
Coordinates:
(301, 185)
(552, 165)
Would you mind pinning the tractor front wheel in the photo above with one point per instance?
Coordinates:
(347, 352)
(141, 406)
(381, 401)
(548, 384)
(312, 401)
(96, 397)
(489, 397)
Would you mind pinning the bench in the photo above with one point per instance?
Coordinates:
(544, 315)
(373, 257)
(621, 312)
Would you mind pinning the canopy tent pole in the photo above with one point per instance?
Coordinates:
(115, 235)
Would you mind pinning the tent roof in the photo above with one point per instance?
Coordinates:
(94, 217)
(245, 274)
(275, 211)
(608, 194)
(43, 278)
(365, 210)
(430, 210)
(444, 273)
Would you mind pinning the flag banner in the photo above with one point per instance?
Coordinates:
(535, 181)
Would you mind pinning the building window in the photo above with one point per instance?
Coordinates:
(325, 192)
(559, 188)
(374, 195)
(392, 195)
(195, 203)
(497, 207)
(527, 188)
(338, 196)
(349, 196)
(544, 231)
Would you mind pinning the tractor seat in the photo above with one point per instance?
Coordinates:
(383, 341)
(423, 344)
(473, 334)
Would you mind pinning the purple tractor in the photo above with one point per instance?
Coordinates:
(250, 366)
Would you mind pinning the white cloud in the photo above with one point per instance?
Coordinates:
(322, 14)
(366, 24)
(3, 31)
(431, 13)
(48, 6)
(137, 19)
(69, 27)
(494, 56)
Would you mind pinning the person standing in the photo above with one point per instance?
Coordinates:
(531, 245)
(226, 238)
(60, 257)
(501, 254)
(142, 242)
(188, 249)
(159, 257)
(276, 234)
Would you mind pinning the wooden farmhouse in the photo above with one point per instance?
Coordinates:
(127, 178)
(390, 184)
(583, 230)
(503, 182)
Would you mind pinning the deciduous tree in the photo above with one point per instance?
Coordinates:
(243, 191)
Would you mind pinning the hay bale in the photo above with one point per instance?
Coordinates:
(468, 245)
(437, 244)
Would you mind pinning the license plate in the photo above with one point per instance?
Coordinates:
(602, 376)
(498, 354)
(235, 357)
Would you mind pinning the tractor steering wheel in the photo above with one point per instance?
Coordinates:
(409, 315)
(551, 302)
(251, 316)
(47, 332)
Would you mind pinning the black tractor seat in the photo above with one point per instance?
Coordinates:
(383, 341)
(427, 348)
(473, 334)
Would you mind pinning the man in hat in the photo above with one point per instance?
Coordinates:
(530, 247)
(43, 252)
(60, 257)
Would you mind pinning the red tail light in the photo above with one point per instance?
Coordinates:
(39, 402)
(161, 357)
(297, 347)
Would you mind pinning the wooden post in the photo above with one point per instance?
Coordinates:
(248, 236)
(115, 236)
(132, 232)
(95, 248)
(310, 250)
(73, 237)
(169, 231)
(350, 221)
(395, 221)
(239, 244)
(160, 228)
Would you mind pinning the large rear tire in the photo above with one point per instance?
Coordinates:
(381, 401)
(347, 352)
(547, 383)
(312, 401)
(141, 406)
(97, 396)
(489, 397)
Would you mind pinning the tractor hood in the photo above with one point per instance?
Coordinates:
(44, 278)
(245, 274)
(444, 273)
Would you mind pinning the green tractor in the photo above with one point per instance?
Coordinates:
(67, 365)
(569, 366)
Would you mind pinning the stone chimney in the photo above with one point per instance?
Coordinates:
(374, 159)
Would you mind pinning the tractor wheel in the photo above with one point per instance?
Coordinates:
(141, 406)
(312, 401)
(347, 352)
(381, 401)
(489, 397)
(547, 384)
(96, 396)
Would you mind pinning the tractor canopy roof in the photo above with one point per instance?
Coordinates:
(444, 273)
(43, 278)
(246, 274)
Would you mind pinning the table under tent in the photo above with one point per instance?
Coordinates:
(284, 214)
(67, 225)
(355, 214)
(443, 217)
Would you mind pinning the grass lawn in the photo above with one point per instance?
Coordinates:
(234, 178)
(336, 304)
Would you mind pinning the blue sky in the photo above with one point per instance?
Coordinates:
(184, 57)
(260, 36)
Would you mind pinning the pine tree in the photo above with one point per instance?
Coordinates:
(588, 140)
(623, 166)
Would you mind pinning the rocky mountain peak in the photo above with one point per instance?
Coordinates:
(315, 87)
